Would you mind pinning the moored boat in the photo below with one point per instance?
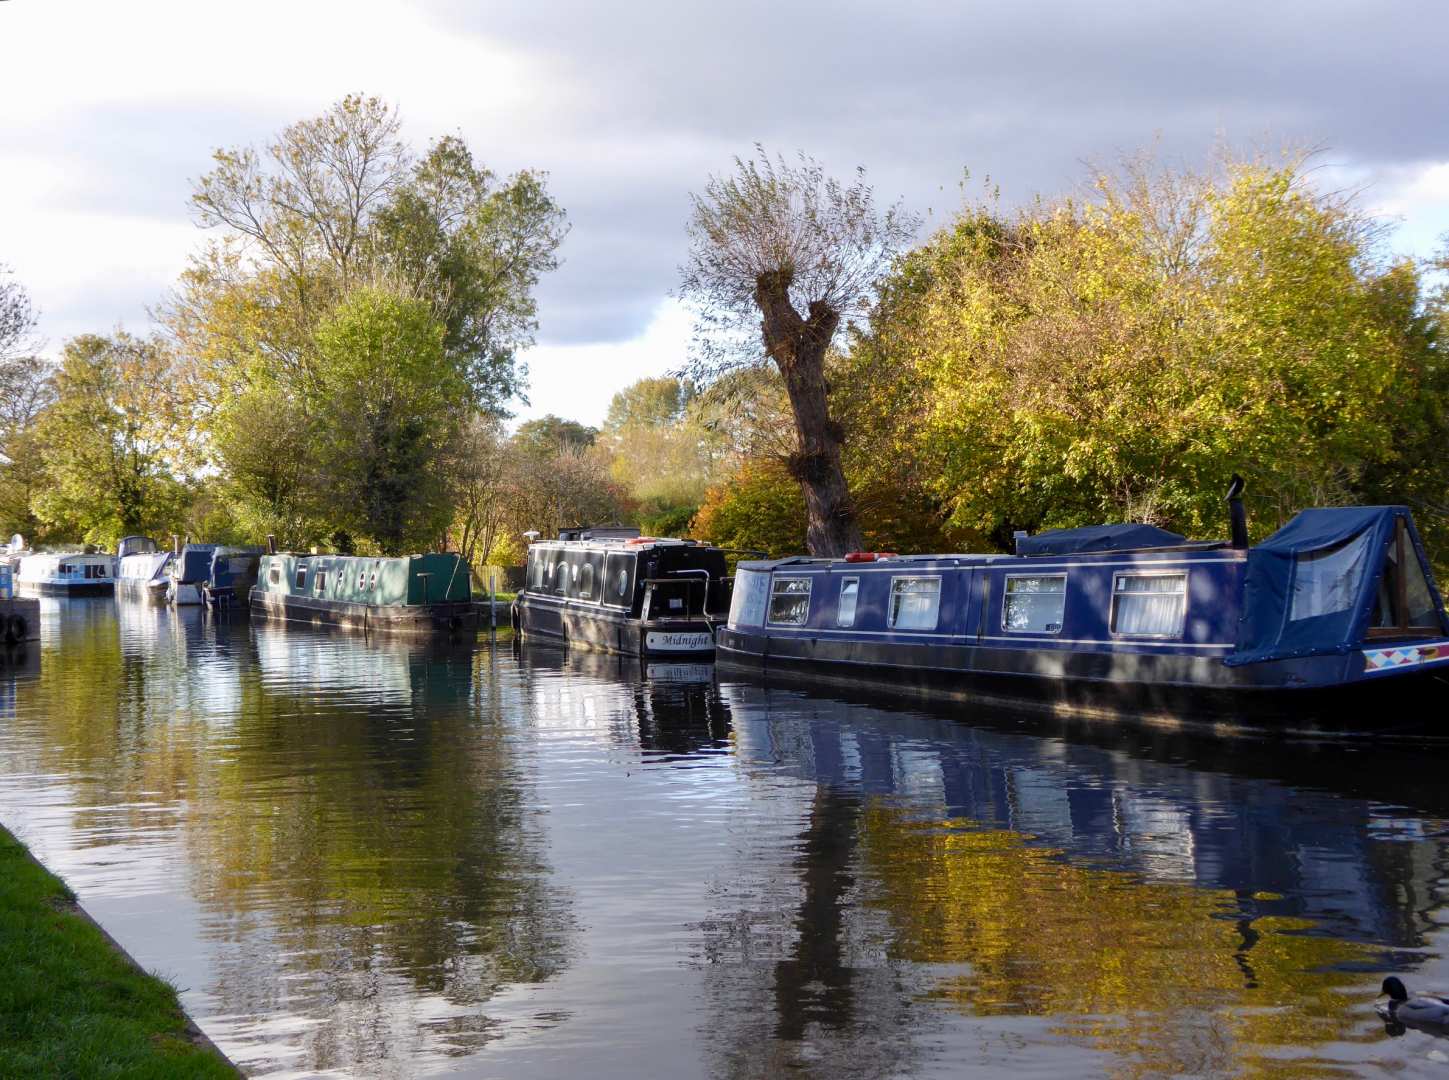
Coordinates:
(413, 594)
(638, 595)
(1335, 613)
(141, 567)
(72, 573)
(186, 573)
(231, 576)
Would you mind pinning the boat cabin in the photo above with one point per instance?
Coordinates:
(630, 594)
(1331, 598)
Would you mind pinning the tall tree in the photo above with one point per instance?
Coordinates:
(111, 440)
(332, 207)
(800, 252)
(1118, 356)
(389, 404)
(26, 388)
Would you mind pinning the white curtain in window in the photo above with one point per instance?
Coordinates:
(1145, 613)
(915, 603)
(1328, 581)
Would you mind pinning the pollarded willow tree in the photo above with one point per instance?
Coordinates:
(785, 251)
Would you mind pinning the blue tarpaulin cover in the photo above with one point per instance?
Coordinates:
(1310, 587)
(195, 562)
(1096, 538)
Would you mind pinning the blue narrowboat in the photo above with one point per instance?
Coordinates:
(231, 575)
(613, 590)
(1336, 611)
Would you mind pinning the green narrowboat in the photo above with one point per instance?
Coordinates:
(414, 594)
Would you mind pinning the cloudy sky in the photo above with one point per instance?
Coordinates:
(108, 111)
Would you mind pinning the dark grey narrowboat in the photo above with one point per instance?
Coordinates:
(1334, 618)
(638, 595)
(413, 594)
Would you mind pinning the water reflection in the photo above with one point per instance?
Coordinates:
(384, 858)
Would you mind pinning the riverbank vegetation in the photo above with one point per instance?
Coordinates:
(336, 364)
(70, 1003)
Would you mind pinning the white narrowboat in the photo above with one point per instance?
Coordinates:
(70, 573)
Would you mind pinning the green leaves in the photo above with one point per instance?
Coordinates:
(1120, 357)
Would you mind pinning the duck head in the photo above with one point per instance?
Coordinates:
(1394, 990)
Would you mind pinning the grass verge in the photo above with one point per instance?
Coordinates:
(72, 1004)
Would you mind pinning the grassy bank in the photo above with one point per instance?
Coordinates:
(71, 1003)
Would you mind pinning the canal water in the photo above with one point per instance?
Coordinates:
(371, 858)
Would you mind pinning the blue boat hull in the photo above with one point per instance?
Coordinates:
(1307, 693)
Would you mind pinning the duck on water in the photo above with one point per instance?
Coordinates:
(1335, 615)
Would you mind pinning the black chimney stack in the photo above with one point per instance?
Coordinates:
(1238, 518)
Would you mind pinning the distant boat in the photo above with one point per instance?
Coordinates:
(141, 569)
(67, 573)
(186, 573)
(1336, 613)
(616, 591)
(231, 576)
(413, 594)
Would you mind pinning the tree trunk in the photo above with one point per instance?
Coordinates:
(798, 347)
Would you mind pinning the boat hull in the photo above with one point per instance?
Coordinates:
(412, 619)
(67, 588)
(1312, 693)
(602, 630)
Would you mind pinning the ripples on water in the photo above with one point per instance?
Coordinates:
(386, 859)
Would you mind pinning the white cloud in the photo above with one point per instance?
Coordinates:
(577, 381)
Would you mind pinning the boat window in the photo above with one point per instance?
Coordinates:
(586, 581)
(321, 582)
(790, 600)
(915, 603)
(361, 579)
(1328, 581)
(845, 609)
(372, 580)
(1149, 605)
(301, 577)
(749, 597)
(619, 589)
(1035, 604)
(1404, 605)
(274, 575)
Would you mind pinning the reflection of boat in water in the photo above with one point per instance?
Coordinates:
(1334, 616)
(667, 709)
(386, 671)
(1175, 806)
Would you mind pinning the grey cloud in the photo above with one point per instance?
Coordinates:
(1022, 92)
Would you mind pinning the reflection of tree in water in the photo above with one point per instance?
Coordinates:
(379, 840)
(360, 833)
(1169, 978)
(796, 974)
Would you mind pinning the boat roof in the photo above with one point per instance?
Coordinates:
(621, 543)
(1189, 548)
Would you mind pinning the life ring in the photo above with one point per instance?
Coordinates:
(635, 541)
(868, 556)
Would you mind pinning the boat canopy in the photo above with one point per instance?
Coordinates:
(194, 563)
(1097, 538)
(1331, 578)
